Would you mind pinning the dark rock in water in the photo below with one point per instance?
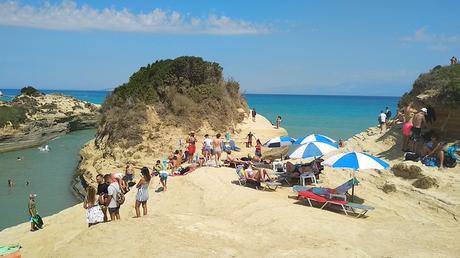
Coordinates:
(425, 182)
(407, 172)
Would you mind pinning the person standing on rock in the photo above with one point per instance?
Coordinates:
(142, 195)
(111, 200)
(217, 149)
(382, 121)
(418, 121)
(191, 140)
(102, 193)
(278, 122)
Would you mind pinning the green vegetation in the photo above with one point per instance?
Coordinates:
(12, 114)
(444, 82)
(30, 91)
(185, 92)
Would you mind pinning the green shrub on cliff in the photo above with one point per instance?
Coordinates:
(30, 91)
(443, 82)
(12, 114)
(185, 92)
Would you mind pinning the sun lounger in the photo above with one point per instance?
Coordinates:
(310, 196)
(243, 180)
(347, 207)
(354, 207)
(338, 192)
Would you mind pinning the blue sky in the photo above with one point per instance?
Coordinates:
(297, 47)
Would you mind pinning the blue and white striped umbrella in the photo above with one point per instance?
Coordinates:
(279, 142)
(355, 160)
(314, 138)
(312, 149)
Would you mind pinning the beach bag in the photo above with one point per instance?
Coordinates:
(449, 162)
(120, 198)
(378, 119)
(411, 156)
(37, 220)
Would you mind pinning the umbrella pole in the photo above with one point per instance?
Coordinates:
(353, 187)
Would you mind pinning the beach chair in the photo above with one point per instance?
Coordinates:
(245, 181)
(359, 209)
(310, 196)
(347, 207)
(338, 192)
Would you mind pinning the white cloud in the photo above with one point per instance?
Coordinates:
(68, 16)
(433, 41)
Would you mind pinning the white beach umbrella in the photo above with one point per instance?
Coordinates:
(356, 161)
(315, 138)
(312, 149)
(280, 141)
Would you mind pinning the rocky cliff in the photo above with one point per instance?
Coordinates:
(440, 90)
(33, 118)
(143, 119)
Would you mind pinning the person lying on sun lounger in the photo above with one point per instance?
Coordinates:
(256, 174)
(295, 170)
(232, 161)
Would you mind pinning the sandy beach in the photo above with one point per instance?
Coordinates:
(207, 214)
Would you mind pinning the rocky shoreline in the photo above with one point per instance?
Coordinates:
(44, 117)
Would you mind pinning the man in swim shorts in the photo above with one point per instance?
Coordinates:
(418, 121)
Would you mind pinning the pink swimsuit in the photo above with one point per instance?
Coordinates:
(407, 128)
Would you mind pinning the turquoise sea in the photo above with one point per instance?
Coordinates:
(50, 174)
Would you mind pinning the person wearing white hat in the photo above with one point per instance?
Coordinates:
(35, 220)
(418, 121)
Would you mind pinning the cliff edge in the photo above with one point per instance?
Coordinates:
(439, 90)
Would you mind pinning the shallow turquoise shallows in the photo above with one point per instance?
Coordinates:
(339, 117)
(49, 173)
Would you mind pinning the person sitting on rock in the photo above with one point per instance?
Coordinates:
(434, 148)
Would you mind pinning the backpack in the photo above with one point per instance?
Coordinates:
(449, 161)
(120, 198)
(411, 156)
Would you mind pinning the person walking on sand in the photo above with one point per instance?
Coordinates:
(382, 121)
(278, 122)
(418, 121)
(142, 192)
(253, 114)
(191, 140)
(94, 214)
(112, 197)
(217, 149)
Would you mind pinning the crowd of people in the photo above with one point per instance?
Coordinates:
(419, 141)
(103, 203)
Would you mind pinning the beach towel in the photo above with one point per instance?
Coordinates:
(9, 249)
(430, 161)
